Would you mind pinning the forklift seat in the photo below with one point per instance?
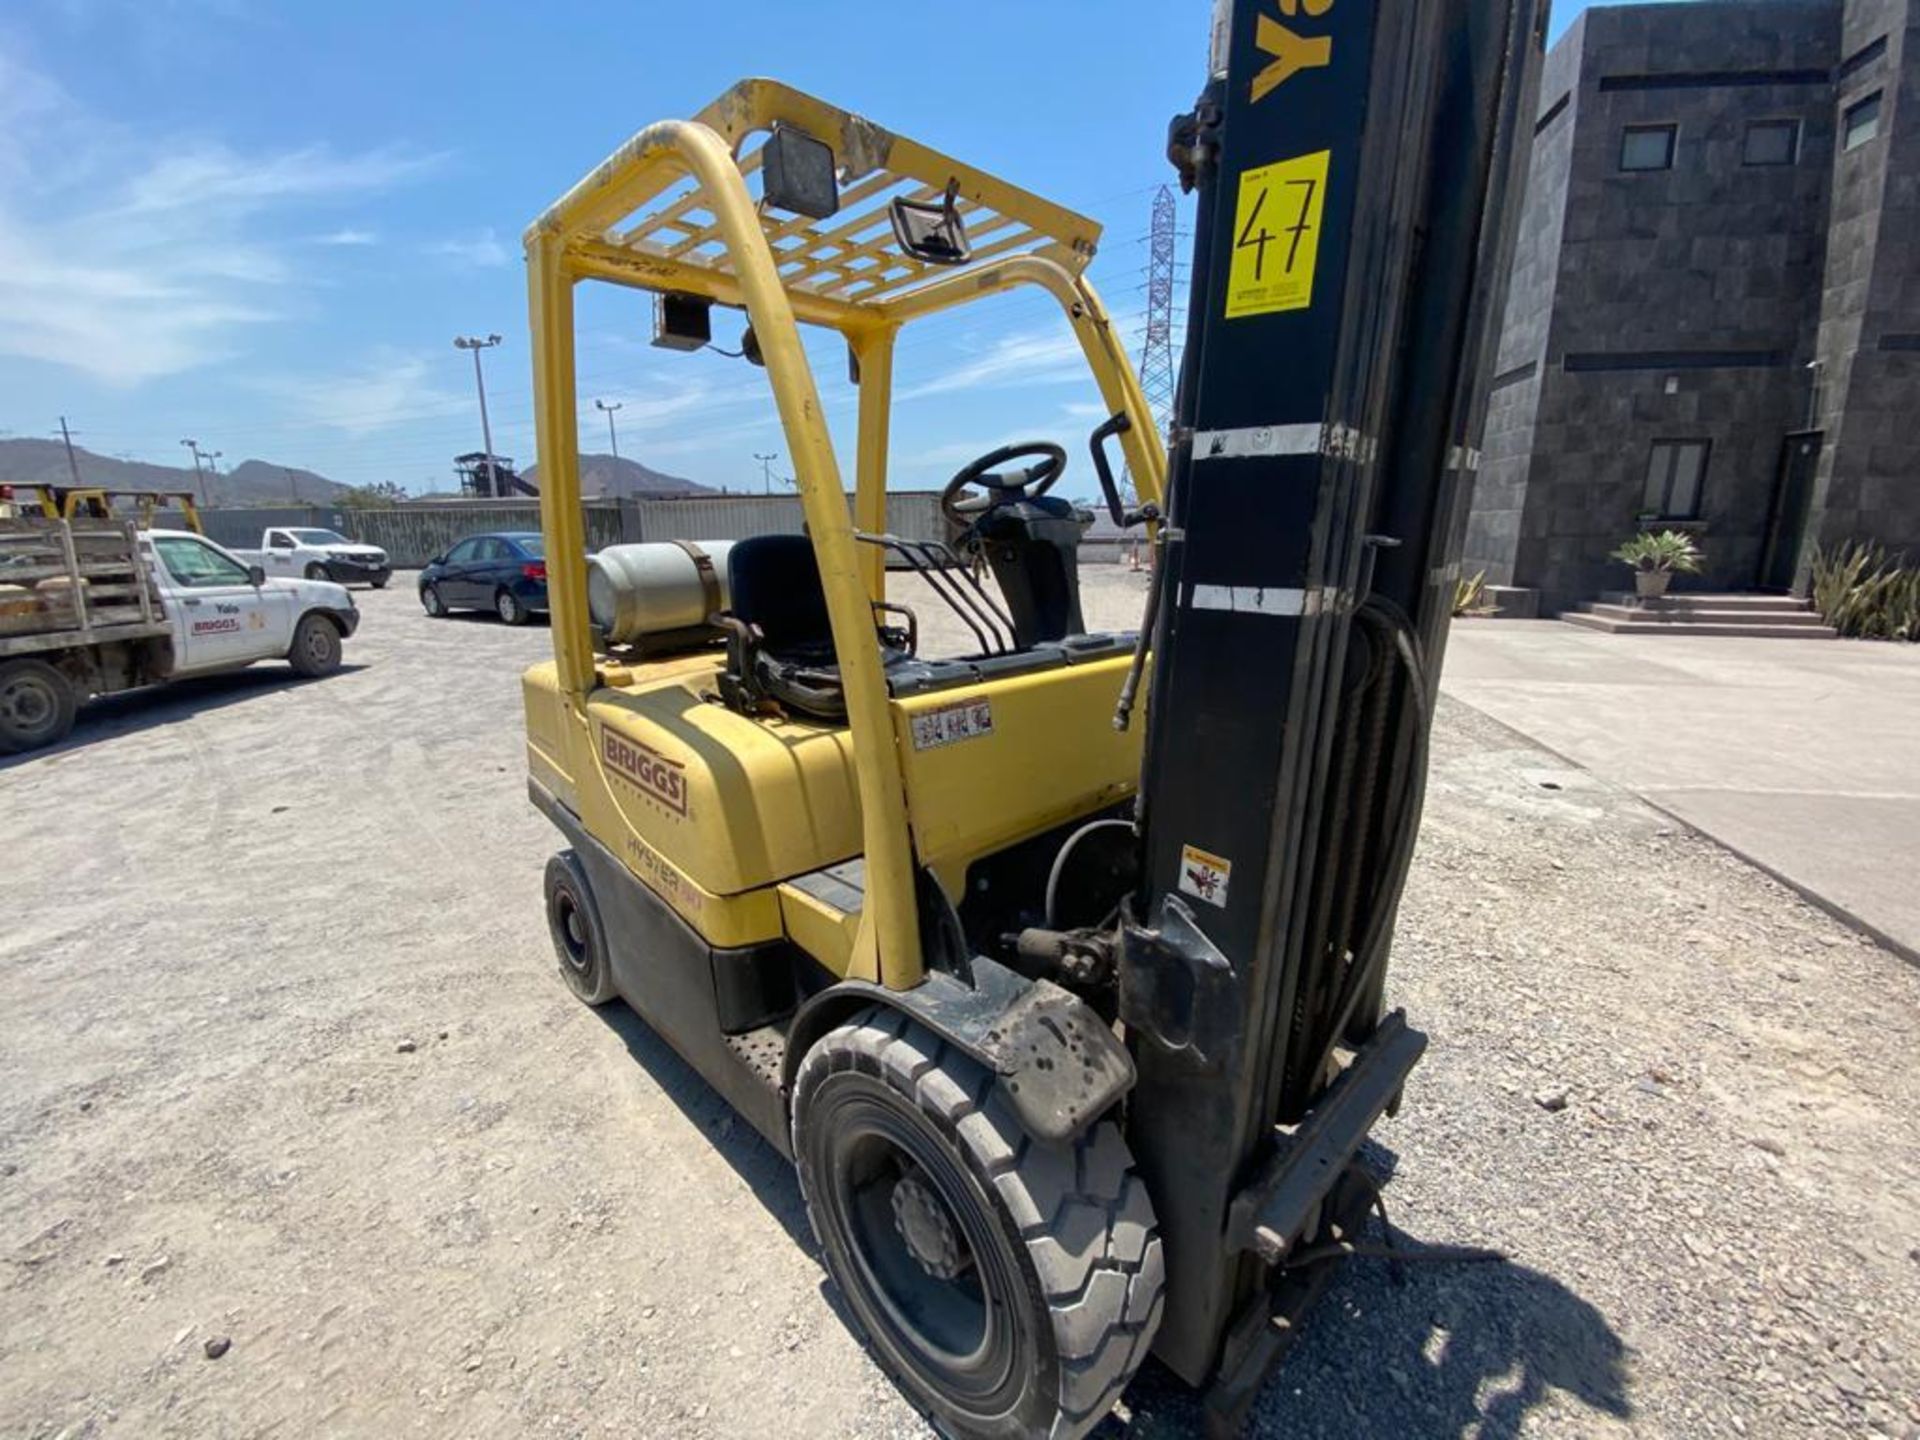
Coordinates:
(774, 584)
(780, 643)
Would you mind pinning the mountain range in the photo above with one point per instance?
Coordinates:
(605, 475)
(252, 482)
(261, 482)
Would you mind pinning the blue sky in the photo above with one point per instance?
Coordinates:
(261, 226)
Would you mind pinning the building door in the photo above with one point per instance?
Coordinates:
(1792, 499)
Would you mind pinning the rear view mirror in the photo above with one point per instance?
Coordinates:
(256, 577)
(932, 234)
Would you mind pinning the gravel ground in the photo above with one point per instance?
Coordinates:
(282, 1064)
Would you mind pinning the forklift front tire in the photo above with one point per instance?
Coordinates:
(578, 941)
(1010, 1286)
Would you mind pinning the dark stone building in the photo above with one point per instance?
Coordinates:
(1714, 318)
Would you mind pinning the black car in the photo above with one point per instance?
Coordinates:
(504, 572)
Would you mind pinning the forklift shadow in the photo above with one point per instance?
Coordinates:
(136, 710)
(766, 1172)
(1453, 1350)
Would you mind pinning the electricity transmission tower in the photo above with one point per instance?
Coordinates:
(1156, 338)
(1156, 346)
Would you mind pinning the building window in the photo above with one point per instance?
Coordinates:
(1772, 142)
(1860, 122)
(1647, 147)
(1676, 470)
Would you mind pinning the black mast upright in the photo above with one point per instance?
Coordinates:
(1348, 156)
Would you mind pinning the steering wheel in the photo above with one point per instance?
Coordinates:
(1026, 483)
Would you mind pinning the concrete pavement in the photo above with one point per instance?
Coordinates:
(1801, 755)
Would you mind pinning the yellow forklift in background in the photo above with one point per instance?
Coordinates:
(1072, 1024)
(78, 502)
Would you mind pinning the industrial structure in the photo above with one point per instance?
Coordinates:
(1714, 316)
(490, 477)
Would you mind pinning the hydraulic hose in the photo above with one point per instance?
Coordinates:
(1130, 690)
(1411, 771)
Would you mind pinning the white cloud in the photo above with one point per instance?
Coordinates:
(212, 176)
(1048, 356)
(347, 237)
(392, 390)
(664, 405)
(482, 251)
(28, 103)
(168, 270)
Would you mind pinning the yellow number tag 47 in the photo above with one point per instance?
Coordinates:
(1276, 236)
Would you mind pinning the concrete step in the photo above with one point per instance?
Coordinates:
(1758, 628)
(1652, 615)
(1682, 603)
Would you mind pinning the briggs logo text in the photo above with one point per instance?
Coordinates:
(662, 779)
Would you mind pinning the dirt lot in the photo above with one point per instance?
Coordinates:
(282, 1062)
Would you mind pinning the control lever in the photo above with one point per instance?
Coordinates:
(1126, 519)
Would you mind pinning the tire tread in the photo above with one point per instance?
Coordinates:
(1081, 1210)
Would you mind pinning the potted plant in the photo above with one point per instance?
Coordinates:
(1657, 558)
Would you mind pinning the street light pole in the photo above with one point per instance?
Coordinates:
(73, 466)
(198, 475)
(612, 438)
(766, 469)
(476, 345)
(213, 472)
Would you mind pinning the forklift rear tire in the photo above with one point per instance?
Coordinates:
(37, 705)
(578, 942)
(1010, 1286)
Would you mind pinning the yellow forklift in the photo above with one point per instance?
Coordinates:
(1065, 999)
(77, 502)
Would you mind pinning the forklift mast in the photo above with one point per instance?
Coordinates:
(1351, 161)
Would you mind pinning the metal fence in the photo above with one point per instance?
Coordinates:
(414, 533)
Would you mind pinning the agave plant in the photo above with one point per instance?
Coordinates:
(1470, 596)
(1667, 553)
(1862, 592)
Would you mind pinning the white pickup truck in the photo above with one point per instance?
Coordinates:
(93, 606)
(319, 555)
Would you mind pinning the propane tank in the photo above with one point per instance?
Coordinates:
(638, 590)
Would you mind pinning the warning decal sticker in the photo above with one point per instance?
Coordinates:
(951, 724)
(1276, 236)
(1204, 876)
